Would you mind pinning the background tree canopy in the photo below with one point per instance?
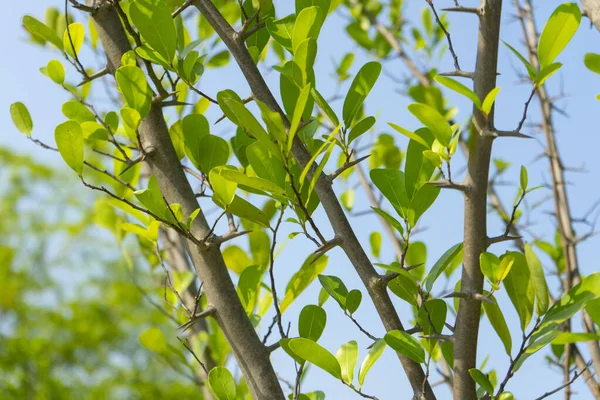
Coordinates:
(263, 199)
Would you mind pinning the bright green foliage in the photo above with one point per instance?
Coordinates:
(73, 39)
(69, 140)
(21, 118)
(557, 33)
(315, 354)
(153, 19)
(347, 356)
(370, 359)
(221, 384)
(311, 322)
(56, 71)
(359, 90)
(482, 380)
(134, 87)
(406, 345)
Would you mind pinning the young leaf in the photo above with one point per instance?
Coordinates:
(221, 384)
(299, 110)
(56, 71)
(406, 345)
(73, 38)
(347, 356)
(323, 105)
(531, 71)
(251, 181)
(153, 19)
(224, 188)
(405, 286)
(411, 135)
(441, 264)
(391, 220)
(375, 240)
(302, 64)
(69, 140)
(311, 322)
(132, 83)
(592, 62)
(214, 152)
(317, 355)
(301, 279)
(520, 289)
(459, 88)
(496, 318)
(557, 33)
(433, 120)
(281, 30)
(336, 289)
(353, 300)
(360, 128)
(310, 162)
(538, 280)
(194, 128)
(307, 26)
(486, 107)
(571, 337)
(153, 339)
(372, 356)
(391, 184)
(42, 31)
(359, 89)
(546, 73)
(490, 266)
(21, 118)
(482, 380)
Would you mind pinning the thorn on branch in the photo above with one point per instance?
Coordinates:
(502, 238)
(447, 184)
(470, 296)
(461, 9)
(346, 166)
(207, 312)
(336, 241)
(439, 336)
(99, 74)
(459, 74)
(219, 240)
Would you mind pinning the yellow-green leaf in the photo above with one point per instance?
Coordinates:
(69, 140)
(21, 118)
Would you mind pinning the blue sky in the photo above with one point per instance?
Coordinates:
(442, 225)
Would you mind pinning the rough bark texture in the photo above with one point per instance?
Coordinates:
(335, 213)
(250, 353)
(475, 225)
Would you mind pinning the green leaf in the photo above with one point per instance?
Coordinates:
(76, 31)
(441, 264)
(221, 384)
(406, 345)
(571, 337)
(298, 111)
(301, 279)
(391, 184)
(372, 356)
(530, 68)
(243, 209)
(482, 380)
(220, 59)
(310, 162)
(311, 322)
(410, 134)
(224, 188)
(546, 73)
(490, 266)
(391, 220)
(56, 71)
(134, 87)
(323, 105)
(558, 32)
(302, 64)
(153, 339)
(353, 300)
(359, 90)
(266, 165)
(69, 140)
(375, 240)
(538, 280)
(336, 289)
(324, 5)
(489, 101)
(592, 62)
(405, 286)
(194, 128)
(253, 182)
(21, 118)
(317, 355)
(459, 88)
(420, 202)
(248, 286)
(520, 289)
(76, 111)
(42, 31)
(433, 120)
(347, 356)
(360, 128)
(496, 318)
(281, 30)
(153, 20)
(307, 26)
(347, 199)
(214, 151)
